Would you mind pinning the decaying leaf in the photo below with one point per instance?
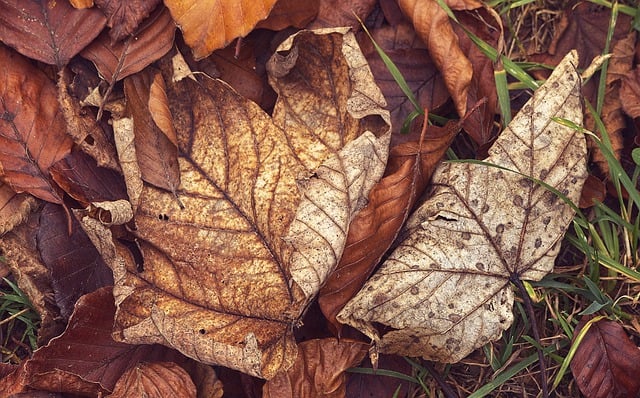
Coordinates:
(14, 207)
(125, 16)
(32, 128)
(225, 277)
(49, 31)
(318, 370)
(155, 380)
(445, 290)
(342, 13)
(607, 362)
(208, 25)
(287, 13)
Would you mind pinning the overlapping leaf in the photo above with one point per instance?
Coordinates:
(155, 380)
(265, 209)
(445, 290)
(14, 207)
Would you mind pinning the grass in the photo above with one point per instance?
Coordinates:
(597, 271)
(19, 323)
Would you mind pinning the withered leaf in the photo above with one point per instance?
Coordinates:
(32, 128)
(225, 277)
(375, 228)
(208, 25)
(155, 380)
(607, 362)
(318, 370)
(342, 13)
(74, 263)
(290, 13)
(445, 290)
(115, 61)
(630, 93)
(49, 31)
(14, 207)
(125, 16)
(156, 151)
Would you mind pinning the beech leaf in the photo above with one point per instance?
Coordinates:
(155, 380)
(265, 209)
(445, 290)
(607, 362)
(14, 207)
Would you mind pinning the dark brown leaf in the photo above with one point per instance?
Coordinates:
(155, 380)
(376, 384)
(606, 363)
(85, 359)
(82, 179)
(156, 151)
(318, 370)
(342, 13)
(32, 128)
(75, 265)
(375, 228)
(49, 31)
(125, 16)
(290, 13)
(122, 59)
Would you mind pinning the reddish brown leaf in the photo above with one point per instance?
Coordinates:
(155, 380)
(157, 154)
(342, 13)
(378, 385)
(122, 59)
(75, 265)
(208, 25)
(375, 228)
(158, 104)
(290, 13)
(606, 363)
(125, 16)
(81, 178)
(85, 359)
(318, 370)
(32, 128)
(593, 190)
(49, 31)
(630, 93)
(411, 57)
(14, 207)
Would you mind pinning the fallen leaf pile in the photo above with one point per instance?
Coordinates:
(211, 197)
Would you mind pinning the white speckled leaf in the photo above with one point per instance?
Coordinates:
(445, 290)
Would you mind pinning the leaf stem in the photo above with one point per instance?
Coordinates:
(515, 279)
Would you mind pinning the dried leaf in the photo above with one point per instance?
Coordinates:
(593, 190)
(630, 93)
(433, 26)
(288, 13)
(318, 370)
(14, 207)
(81, 3)
(156, 151)
(342, 13)
(159, 109)
(125, 16)
(75, 265)
(445, 290)
(49, 31)
(225, 278)
(375, 228)
(119, 60)
(376, 384)
(32, 128)
(607, 362)
(201, 21)
(155, 380)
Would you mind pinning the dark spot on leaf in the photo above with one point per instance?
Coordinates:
(450, 305)
(500, 228)
(485, 208)
(574, 180)
(466, 235)
(440, 205)
(543, 173)
(454, 318)
(163, 217)
(434, 266)
(538, 243)
(525, 183)
(202, 331)
(480, 266)
(414, 290)
(89, 140)
(431, 314)
(517, 201)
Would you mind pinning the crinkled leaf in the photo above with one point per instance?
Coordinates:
(155, 380)
(32, 128)
(125, 16)
(208, 25)
(607, 362)
(225, 277)
(49, 31)
(115, 61)
(342, 13)
(288, 13)
(445, 290)
(375, 228)
(319, 370)
(14, 207)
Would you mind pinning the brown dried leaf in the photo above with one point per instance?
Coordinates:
(159, 109)
(607, 362)
(74, 263)
(445, 290)
(318, 370)
(342, 13)
(119, 60)
(125, 16)
(208, 25)
(14, 207)
(376, 384)
(630, 93)
(433, 26)
(288, 13)
(225, 278)
(49, 31)
(156, 151)
(32, 128)
(155, 380)
(375, 228)
(81, 3)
